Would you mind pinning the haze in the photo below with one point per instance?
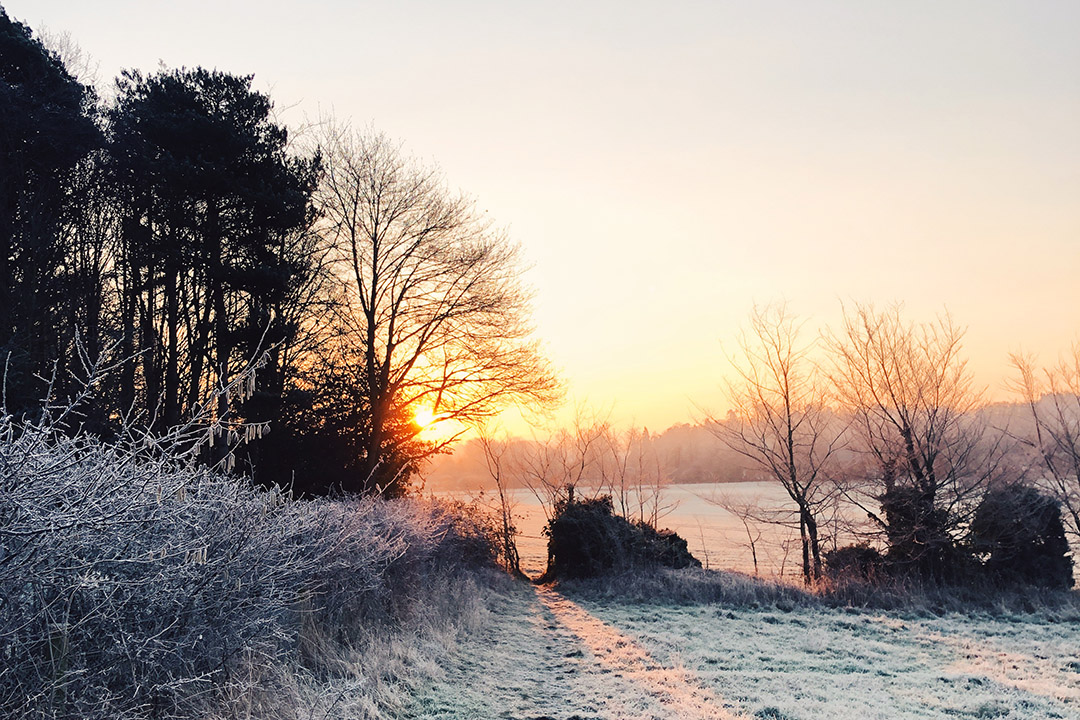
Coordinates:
(667, 165)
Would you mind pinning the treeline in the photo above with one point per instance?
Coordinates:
(158, 246)
(876, 430)
(894, 464)
(681, 454)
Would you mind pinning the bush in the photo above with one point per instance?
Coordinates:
(920, 545)
(133, 585)
(586, 538)
(854, 562)
(1018, 533)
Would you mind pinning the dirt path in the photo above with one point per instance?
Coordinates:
(543, 657)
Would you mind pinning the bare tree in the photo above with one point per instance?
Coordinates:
(590, 458)
(780, 421)
(752, 513)
(442, 318)
(632, 473)
(567, 463)
(497, 462)
(910, 395)
(1052, 395)
(82, 66)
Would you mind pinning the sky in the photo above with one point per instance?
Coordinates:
(667, 165)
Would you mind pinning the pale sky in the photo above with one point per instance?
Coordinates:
(668, 164)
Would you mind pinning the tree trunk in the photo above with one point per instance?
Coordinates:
(148, 346)
(216, 277)
(805, 548)
(127, 337)
(815, 546)
(172, 360)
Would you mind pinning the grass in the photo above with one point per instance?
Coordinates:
(811, 662)
(735, 647)
(696, 586)
(895, 652)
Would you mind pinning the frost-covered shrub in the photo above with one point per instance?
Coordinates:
(1019, 533)
(586, 538)
(136, 585)
(381, 555)
(129, 583)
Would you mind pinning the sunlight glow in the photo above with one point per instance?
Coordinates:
(433, 426)
(425, 417)
(944, 133)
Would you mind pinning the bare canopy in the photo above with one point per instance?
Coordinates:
(780, 421)
(434, 301)
(910, 395)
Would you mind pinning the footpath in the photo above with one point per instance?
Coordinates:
(543, 657)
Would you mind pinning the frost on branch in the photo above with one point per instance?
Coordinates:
(136, 583)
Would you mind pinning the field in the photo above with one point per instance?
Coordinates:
(543, 654)
(575, 653)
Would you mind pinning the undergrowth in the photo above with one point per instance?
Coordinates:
(135, 584)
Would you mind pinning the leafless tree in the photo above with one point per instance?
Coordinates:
(780, 421)
(909, 392)
(566, 464)
(589, 458)
(752, 513)
(441, 315)
(632, 473)
(76, 60)
(498, 462)
(1052, 395)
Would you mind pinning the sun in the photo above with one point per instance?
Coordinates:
(425, 417)
(434, 426)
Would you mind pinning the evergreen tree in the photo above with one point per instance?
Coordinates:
(212, 202)
(1019, 532)
(47, 132)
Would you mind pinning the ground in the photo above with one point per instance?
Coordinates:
(543, 655)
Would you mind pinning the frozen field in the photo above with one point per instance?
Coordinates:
(543, 655)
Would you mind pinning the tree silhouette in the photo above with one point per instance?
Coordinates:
(435, 303)
(47, 131)
(1019, 532)
(910, 394)
(780, 421)
(210, 201)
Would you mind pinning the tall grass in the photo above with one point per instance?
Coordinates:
(134, 584)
